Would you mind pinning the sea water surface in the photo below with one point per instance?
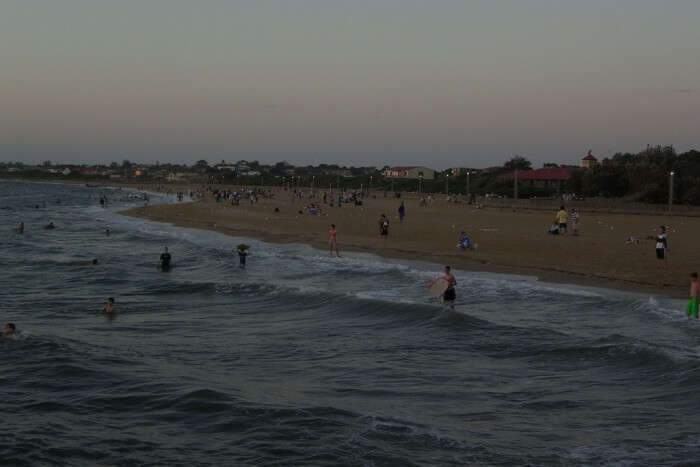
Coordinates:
(305, 360)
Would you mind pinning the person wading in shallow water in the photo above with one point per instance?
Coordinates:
(450, 294)
(165, 259)
(333, 241)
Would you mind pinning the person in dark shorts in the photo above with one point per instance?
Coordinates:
(661, 243)
(242, 254)
(450, 295)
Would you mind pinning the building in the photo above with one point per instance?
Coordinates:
(548, 178)
(413, 172)
(589, 161)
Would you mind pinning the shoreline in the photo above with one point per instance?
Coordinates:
(551, 275)
(599, 263)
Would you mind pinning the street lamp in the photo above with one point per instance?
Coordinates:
(420, 183)
(467, 187)
(447, 185)
(670, 190)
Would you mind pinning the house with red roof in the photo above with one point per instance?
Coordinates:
(589, 161)
(413, 172)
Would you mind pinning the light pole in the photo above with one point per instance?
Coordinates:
(467, 187)
(313, 178)
(515, 185)
(370, 183)
(420, 183)
(447, 185)
(670, 190)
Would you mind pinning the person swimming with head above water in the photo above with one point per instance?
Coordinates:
(109, 306)
(8, 330)
(50, 225)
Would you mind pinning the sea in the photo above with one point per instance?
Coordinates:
(301, 359)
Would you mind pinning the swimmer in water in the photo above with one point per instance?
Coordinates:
(242, 254)
(8, 330)
(165, 259)
(107, 232)
(109, 306)
(20, 227)
(50, 225)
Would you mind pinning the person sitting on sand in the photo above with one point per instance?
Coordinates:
(691, 308)
(464, 242)
(8, 331)
(109, 306)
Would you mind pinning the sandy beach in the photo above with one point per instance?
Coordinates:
(508, 241)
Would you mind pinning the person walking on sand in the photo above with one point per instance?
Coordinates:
(561, 219)
(575, 217)
(662, 244)
(333, 241)
(691, 308)
(383, 226)
(402, 212)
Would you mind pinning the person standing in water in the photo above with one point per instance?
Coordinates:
(165, 259)
(20, 228)
(242, 254)
(333, 241)
(450, 294)
(691, 308)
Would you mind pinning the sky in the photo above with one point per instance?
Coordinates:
(440, 83)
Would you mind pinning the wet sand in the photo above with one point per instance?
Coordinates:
(508, 241)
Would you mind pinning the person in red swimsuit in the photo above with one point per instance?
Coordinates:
(333, 241)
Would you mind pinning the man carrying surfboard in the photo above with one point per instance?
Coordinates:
(444, 286)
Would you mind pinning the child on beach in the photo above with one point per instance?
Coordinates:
(691, 308)
(575, 216)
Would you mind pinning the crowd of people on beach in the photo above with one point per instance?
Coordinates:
(563, 219)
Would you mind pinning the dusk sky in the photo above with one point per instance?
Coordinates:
(439, 83)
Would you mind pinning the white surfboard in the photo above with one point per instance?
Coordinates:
(438, 287)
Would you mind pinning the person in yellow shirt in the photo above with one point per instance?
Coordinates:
(561, 220)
